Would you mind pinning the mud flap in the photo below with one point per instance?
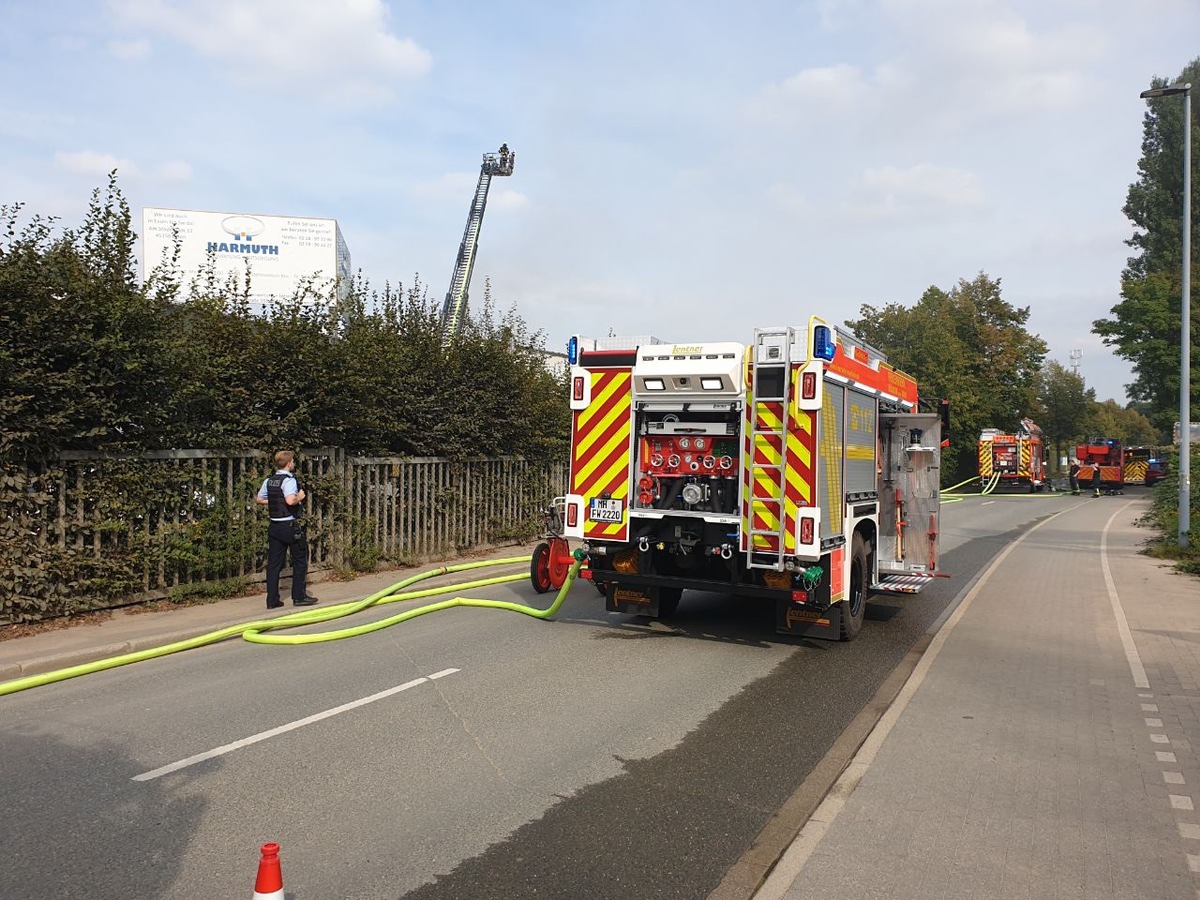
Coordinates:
(808, 622)
(633, 601)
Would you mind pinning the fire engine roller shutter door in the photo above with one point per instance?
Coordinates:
(601, 459)
(861, 414)
(832, 444)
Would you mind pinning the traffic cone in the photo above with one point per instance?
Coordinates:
(269, 883)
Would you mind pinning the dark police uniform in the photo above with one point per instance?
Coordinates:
(285, 534)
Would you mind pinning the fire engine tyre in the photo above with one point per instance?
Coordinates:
(668, 601)
(539, 568)
(854, 609)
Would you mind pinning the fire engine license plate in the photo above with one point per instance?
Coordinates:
(602, 510)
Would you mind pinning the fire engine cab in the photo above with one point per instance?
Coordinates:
(797, 467)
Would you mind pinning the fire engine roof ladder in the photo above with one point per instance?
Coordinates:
(768, 448)
(455, 307)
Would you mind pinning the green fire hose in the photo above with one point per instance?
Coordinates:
(256, 632)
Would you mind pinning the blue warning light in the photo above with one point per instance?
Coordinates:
(824, 346)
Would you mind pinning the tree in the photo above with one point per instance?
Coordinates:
(1110, 420)
(1144, 325)
(84, 362)
(968, 346)
(1066, 407)
(91, 360)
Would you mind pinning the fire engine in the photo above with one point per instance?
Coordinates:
(796, 468)
(1013, 460)
(1106, 455)
(1144, 465)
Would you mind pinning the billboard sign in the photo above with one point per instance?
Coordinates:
(281, 251)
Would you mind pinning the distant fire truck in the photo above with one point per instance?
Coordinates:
(796, 468)
(1107, 456)
(1144, 465)
(1013, 460)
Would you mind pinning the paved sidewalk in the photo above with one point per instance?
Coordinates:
(132, 631)
(1044, 747)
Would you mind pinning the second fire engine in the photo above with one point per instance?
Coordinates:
(1013, 460)
(797, 468)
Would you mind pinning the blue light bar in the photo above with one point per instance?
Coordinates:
(573, 350)
(824, 346)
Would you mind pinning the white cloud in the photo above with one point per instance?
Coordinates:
(918, 191)
(946, 66)
(344, 51)
(86, 162)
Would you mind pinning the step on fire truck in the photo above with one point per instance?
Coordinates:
(797, 468)
(1013, 460)
(1106, 455)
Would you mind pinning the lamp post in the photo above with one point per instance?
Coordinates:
(1185, 328)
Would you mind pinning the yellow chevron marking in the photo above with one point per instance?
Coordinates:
(766, 480)
(616, 384)
(798, 449)
(797, 482)
(765, 513)
(768, 417)
(616, 478)
(770, 452)
(596, 457)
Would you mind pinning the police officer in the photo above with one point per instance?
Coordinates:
(282, 495)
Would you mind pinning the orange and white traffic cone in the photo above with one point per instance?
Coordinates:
(269, 883)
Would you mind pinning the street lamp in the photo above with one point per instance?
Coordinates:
(1185, 327)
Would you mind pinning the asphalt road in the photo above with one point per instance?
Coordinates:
(465, 754)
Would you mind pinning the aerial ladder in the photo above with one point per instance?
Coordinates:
(455, 308)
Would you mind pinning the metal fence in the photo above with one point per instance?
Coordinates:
(178, 519)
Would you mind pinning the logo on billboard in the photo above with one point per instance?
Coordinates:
(243, 227)
(243, 230)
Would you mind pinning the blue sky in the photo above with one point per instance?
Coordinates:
(687, 170)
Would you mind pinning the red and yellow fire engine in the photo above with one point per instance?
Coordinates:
(1106, 456)
(797, 467)
(1013, 460)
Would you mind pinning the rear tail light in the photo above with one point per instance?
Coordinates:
(806, 530)
(808, 385)
(577, 388)
(572, 515)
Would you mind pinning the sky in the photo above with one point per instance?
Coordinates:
(687, 170)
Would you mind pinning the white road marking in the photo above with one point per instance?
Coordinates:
(1131, 653)
(290, 726)
(986, 502)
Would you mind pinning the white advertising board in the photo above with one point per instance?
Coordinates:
(283, 251)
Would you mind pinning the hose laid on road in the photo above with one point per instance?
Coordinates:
(960, 484)
(254, 631)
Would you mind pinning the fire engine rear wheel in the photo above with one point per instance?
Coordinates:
(855, 606)
(539, 568)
